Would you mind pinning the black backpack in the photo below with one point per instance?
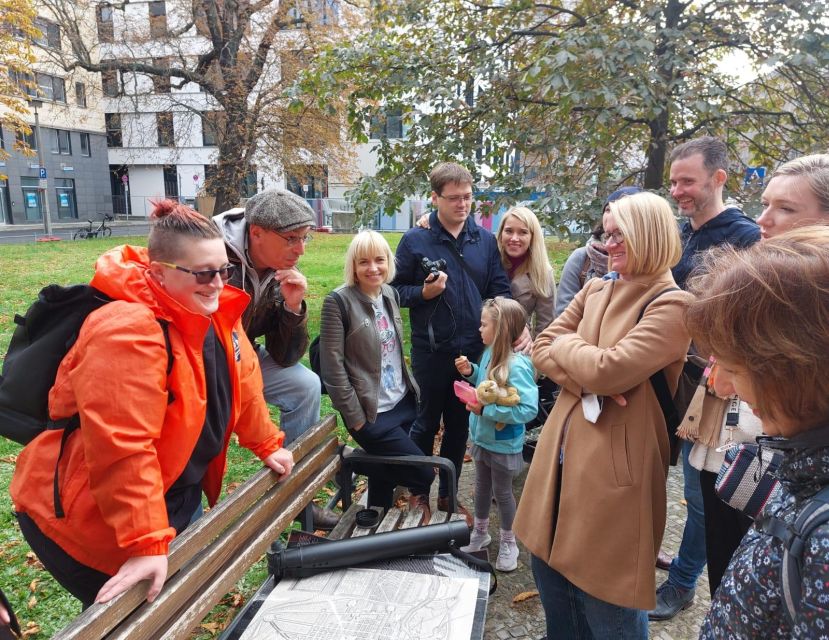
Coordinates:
(674, 407)
(38, 345)
(314, 347)
(795, 537)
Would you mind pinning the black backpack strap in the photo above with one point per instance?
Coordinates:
(813, 516)
(69, 425)
(660, 383)
(477, 563)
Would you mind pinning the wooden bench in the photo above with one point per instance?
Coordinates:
(207, 560)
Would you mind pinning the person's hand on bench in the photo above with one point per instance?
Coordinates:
(133, 571)
(281, 461)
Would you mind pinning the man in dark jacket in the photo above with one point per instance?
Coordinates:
(446, 309)
(698, 175)
(265, 241)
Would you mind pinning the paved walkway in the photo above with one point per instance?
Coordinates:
(507, 619)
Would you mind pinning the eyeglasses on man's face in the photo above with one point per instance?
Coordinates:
(294, 240)
(465, 197)
(206, 276)
(616, 237)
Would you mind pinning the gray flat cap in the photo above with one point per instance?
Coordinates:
(279, 210)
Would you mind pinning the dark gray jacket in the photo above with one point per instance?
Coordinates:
(351, 362)
(286, 333)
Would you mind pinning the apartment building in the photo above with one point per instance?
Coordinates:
(71, 143)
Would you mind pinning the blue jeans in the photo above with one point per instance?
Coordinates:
(573, 614)
(690, 561)
(295, 390)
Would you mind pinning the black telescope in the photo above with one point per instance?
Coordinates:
(309, 560)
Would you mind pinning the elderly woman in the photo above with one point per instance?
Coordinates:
(365, 373)
(593, 508)
(154, 430)
(524, 256)
(764, 314)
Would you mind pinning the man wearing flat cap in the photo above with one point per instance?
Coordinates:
(265, 241)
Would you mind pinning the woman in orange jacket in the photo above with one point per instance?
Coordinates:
(149, 442)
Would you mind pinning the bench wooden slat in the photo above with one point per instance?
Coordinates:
(390, 521)
(257, 540)
(413, 518)
(346, 523)
(100, 619)
(438, 517)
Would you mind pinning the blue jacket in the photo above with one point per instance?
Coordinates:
(729, 227)
(455, 315)
(482, 429)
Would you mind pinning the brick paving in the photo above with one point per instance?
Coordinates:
(507, 620)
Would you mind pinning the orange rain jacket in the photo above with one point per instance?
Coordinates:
(132, 445)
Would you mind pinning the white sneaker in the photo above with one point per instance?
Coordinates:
(507, 557)
(477, 541)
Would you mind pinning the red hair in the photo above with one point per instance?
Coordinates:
(171, 223)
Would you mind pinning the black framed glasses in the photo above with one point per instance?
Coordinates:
(292, 241)
(206, 276)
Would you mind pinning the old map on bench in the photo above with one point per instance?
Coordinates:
(367, 604)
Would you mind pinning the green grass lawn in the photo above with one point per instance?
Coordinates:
(41, 604)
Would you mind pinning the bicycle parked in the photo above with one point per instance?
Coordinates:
(93, 232)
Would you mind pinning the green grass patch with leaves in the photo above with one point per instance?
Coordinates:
(41, 604)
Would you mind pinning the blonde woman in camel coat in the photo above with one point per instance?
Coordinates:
(592, 513)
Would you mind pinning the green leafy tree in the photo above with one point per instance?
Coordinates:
(578, 98)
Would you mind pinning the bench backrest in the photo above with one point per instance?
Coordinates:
(215, 551)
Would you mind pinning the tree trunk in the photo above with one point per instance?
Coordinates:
(657, 151)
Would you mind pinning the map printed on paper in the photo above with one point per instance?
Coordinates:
(367, 604)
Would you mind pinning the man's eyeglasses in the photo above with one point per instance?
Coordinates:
(616, 237)
(293, 241)
(466, 197)
(206, 276)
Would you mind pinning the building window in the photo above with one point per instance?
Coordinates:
(211, 127)
(61, 144)
(166, 133)
(80, 94)
(86, 146)
(2, 139)
(170, 181)
(113, 127)
(388, 124)
(65, 192)
(248, 187)
(28, 139)
(49, 34)
(25, 81)
(158, 19)
(106, 27)
(51, 88)
(109, 83)
(161, 84)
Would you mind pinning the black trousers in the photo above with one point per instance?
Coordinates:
(724, 529)
(389, 435)
(81, 581)
(435, 374)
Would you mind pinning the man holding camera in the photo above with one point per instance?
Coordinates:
(443, 275)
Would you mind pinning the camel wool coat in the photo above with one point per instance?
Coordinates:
(593, 506)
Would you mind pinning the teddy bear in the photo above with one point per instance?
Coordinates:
(489, 392)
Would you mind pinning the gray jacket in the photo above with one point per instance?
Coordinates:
(540, 309)
(351, 363)
(286, 333)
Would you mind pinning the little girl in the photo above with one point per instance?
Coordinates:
(497, 432)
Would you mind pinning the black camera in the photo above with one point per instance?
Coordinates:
(432, 267)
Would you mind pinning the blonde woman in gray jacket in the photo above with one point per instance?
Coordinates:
(364, 370)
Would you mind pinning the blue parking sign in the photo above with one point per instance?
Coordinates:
(43, 173)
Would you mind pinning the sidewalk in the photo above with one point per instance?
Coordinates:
(507, 620)
(30, 232)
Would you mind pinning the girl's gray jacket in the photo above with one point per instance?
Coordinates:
(351, 362)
